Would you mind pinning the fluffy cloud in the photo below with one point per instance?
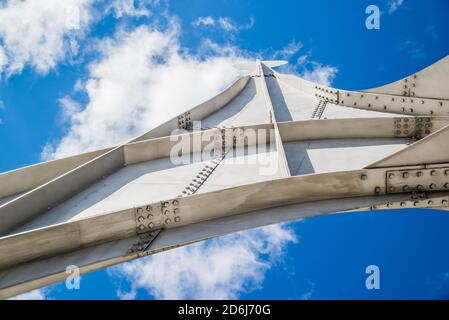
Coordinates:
(319, 73)
(289, 50)
(40, 33)
(204, 21)
(394, 5)
(223, 23)
(132, 8)
(2, 58)
(143, 78)
(221, 268)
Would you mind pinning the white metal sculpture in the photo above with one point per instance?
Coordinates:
(281, 148)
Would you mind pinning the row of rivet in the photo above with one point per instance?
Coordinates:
(418, 180)
(327, 94)
(202, 176)
(221, 145)
(408, 86)
(319, 110)
(385, 105)
(414, 203)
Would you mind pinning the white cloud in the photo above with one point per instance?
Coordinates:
(3, 60)
(204, 21)
(289, 50)
(227, 24)
(394, 5)
(308, 295)
(322, 74)
(132, 8)
(221, 268)
(224, 23)
(40, 33)
(143, 78)
(38, 294)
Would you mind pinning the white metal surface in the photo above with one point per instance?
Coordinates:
(332, 151)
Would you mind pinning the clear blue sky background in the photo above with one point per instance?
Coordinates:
(411, 246)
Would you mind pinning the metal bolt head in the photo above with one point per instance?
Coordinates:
(139, 210)
(420, 187)
(151, 225)
(446, 185)
(167, 212)
(391, 176)
(446, 172)
(150, 216)
(140, 218)
(419, 174)
(177, 219)
(405, 175)
(402, 204)
(149, 208)
(432, 186)
(168, 221)
(430, 202)
(433, 172)
(392, 189)
(176, 211)
(363, 177)
(415, 203)
(377, 190)
(444, 202)
(405, 188)
(141, 227)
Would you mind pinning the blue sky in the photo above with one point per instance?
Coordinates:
(57, 97)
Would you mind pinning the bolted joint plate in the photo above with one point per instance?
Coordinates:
(185, 121)
(157, 216)
(171, 212)
(418, 127)
(148, 218)
(399, 181)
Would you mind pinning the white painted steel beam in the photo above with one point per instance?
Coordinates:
(264, 71)
(39, 238)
